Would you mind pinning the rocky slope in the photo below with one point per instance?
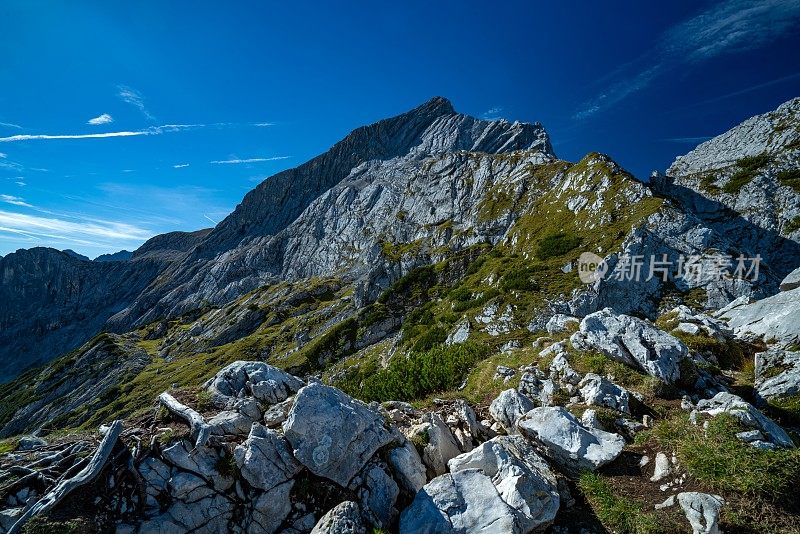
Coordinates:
(264, 369)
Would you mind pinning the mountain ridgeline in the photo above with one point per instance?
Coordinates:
(439, 259)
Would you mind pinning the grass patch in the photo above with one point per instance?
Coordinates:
(727, 353)
(716, 458)
(621, 514)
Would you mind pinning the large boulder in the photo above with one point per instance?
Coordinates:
(777, 374)
(522, 478)
(632, 341)
(563, 439)
(508, 407)
(253, 379)
(599, 391)
(265, 459)
(203, 461)
(333, 434)
(775, 319)
(440, 446)
(500, 486)
(747, 415)
(377, 494)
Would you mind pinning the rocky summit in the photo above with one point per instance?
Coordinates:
(437, 325)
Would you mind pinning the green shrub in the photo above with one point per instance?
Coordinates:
(556, 245)
(429, 338)
(440, 368)
(793, 225)
(790, 178)
(748, 167)
(520, 280)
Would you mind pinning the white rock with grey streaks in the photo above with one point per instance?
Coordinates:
(508, 407)
(563, 439)
(344, 518)
(333, 434)
(777, 374)
(702, 510)
(255, 379)
(408, 467)
(265, 459)
(599, 391)
(632, 341)
(775, 319)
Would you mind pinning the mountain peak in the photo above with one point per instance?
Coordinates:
(438, 105)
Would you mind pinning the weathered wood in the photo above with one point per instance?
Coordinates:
(64, 487)
(201, 430)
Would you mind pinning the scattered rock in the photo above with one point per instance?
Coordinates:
(599, 391)
(408, 467)
(254, 379)
(792, 281)
(567, 442)
(747, 414)
(460, 334)
(504, 373)
(508, 407)
(662, 468)
(702, 511)
(777, 374)
(562, 323)
(632, 341)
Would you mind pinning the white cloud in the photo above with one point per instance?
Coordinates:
(263, 124)
(249, 160)
(154, 130)
(3, 156)
(134, 98)
(729, 26)
(16, 201)
(10, 125)
(21, 183)
(105, 118)
(180, 166)
(492, 114)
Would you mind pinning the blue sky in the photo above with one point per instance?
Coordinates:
(119, 121)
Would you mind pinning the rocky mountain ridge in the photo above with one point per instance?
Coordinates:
(264, 369)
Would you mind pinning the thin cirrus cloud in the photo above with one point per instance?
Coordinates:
(16, 201)
(105, 118)
(154, 130)
(237, 161)
(83, 232)
(727, 27)
(180, 166)
(10, 125)
(135, 98)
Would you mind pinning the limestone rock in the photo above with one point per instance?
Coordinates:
(265, 459)
(792, 281)
(775, 319)
(408, 467)
(777, 374)
(332, 434)
(599, 391)
(508, 407)
(702, 511)
(344, 518)
(632, 341)
(255, 379)
(563, 439)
